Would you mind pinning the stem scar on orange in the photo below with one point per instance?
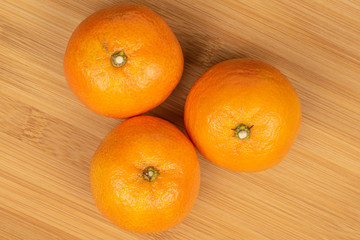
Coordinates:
(123, 60)
(145, 175)
(243, 115)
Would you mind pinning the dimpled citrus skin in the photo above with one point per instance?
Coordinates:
(243, 91)
(124, 196)
(153, 68)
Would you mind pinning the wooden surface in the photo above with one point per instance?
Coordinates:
(47, 137)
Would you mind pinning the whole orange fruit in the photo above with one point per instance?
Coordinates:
(145, 175)
(123, 60)
(243, 115)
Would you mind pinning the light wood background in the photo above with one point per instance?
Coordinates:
(47, 137)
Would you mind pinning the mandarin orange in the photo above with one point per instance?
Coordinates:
(243, 115)
(145, 175)
(123, 60)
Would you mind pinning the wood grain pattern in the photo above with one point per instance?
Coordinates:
(47, 137)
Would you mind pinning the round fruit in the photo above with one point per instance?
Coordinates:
(123, 60)
(145, 175)
(243, 114)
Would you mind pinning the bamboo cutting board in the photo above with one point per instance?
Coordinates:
(47, 137)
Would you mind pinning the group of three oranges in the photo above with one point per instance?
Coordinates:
(242, 114)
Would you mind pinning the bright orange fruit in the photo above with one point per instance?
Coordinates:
(243, 114)
(123, 60)
(145, 175)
